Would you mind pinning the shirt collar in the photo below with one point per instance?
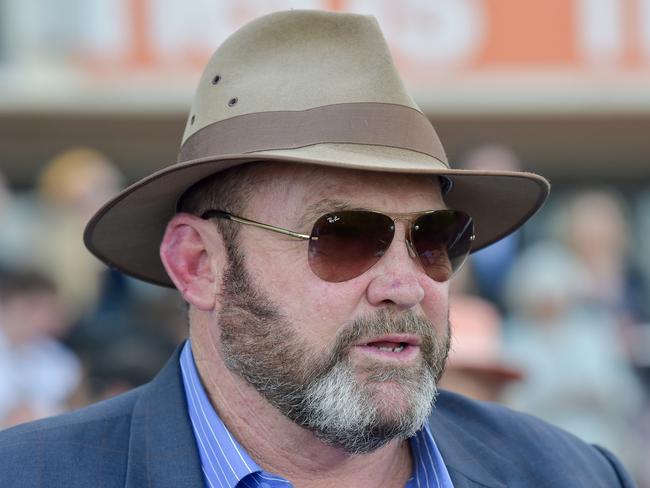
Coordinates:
(225, 462)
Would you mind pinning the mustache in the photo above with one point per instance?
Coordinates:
(385, 322)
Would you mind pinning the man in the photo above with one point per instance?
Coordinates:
(312, 225)
(38, 374)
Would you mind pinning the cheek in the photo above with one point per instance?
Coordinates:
(317, 307)
(435, 304)
(321, 308)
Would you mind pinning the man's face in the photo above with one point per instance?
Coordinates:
(318, 350)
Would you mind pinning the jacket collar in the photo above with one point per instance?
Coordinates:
(466, 457)
(162, 448)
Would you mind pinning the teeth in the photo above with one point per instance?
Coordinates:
(392, 349)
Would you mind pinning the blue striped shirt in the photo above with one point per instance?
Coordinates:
(226, 464)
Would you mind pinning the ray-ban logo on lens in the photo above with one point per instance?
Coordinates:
(331, 220)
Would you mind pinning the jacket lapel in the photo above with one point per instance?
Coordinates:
(468, 464)
(162, 447)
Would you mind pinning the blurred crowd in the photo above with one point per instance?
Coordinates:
(72, 332)
(557, 324)
(554, 321)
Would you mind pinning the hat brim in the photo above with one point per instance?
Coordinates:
(127, 231)
(495, 371)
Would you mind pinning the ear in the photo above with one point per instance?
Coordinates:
(193, 254)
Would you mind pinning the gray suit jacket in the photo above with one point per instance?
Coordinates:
(144, 439)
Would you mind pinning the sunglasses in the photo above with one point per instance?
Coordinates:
(344, 245)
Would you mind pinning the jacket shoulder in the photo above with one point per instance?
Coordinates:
(94, 440)
(519, 446)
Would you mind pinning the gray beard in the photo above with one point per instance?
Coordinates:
(321, 392)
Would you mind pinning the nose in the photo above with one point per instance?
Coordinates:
(396, 277)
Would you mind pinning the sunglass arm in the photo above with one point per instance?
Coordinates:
(225, 215)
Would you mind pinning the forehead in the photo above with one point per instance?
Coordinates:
(300, 189)
(323, 182)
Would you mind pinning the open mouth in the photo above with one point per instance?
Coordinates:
(398, 347)
(388, 346)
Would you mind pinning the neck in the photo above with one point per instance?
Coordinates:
(280, 446)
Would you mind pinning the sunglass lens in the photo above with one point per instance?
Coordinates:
(345, 244)
(443, 240)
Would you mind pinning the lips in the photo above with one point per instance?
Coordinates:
(392, 339)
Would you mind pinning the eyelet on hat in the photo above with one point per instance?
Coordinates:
(216, 79)
(192, 119)
(232, 102)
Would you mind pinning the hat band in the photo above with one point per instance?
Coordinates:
(380, 124)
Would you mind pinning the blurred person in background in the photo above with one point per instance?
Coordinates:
(5, 195)
(5, 202)
(71, 188)
(576, 372)
(476, 366)
(37, 373)
(102, 302)
(597, 235)
(110, 312)
(125, 363)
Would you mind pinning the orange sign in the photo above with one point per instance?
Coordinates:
(431, 39)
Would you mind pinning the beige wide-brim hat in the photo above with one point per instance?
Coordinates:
(308, 87)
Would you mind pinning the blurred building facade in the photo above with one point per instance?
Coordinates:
(564, 83)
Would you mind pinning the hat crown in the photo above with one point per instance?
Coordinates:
(297, 60)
